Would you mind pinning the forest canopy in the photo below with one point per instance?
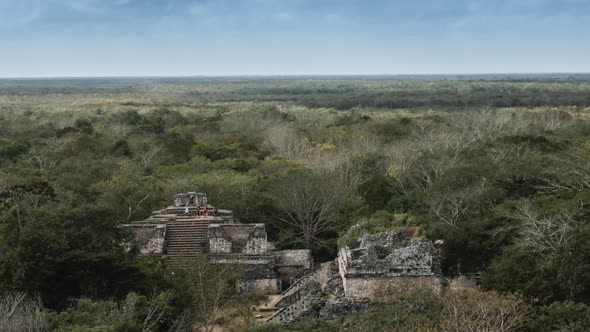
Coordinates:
(498, 169)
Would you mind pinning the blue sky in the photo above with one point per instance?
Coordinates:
(53, 38)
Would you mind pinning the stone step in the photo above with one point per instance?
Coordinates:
(185, 258)
(186, 238)
(199, 232)
(186, 245)
(187, 223)
(187, 229)
(203, 233)
(188, 226)
(176, 233)
(187, 241)
(184, 253)
(181, 250)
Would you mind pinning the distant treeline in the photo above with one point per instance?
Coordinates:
(341, 93)
(344, 98)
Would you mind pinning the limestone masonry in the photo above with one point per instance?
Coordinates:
(369, 269)
(193, 227)
(378, 266)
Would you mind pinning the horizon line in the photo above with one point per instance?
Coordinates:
(286, 75)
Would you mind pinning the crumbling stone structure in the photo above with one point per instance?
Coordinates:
(368, 270)
(245, 245)
(150, 238)
(289, 265)
(193, 227)
(247, 239)
(378, 266)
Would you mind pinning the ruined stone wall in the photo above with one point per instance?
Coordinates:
(268, 286)
(307, 304)
(416, 259)
(380, 289)
(258, 271)
(219, 244)
(291, 265)
(149, 238)
(381, 265)
(249, 239)
(294, 258)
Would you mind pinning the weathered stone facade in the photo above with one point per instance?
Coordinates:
(370, 270)
(192, 227)
(258, 270)
(381, 265)
(247, 239)
(383, 288)
(292, 265)
(150, 238)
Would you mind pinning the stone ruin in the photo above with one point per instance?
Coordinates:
(368, 270)
(371, 269)
(193, 227)
(377, 266)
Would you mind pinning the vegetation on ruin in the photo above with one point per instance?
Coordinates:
(497, 169)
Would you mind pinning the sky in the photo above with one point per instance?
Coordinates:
(81, 38)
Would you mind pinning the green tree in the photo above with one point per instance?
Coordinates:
(130, 193)
(62, 253)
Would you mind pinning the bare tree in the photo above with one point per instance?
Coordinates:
(571, 174)
(146, 154)
(45, 156)
(116, 129)
(284, 140)
(451, 206)
(18, 312)
(156, 309)
(481, 123)
(538, 232)
(476, 311)
(310, 201)
(551, 120)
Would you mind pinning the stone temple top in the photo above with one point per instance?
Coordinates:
(190, 198)
(192, 227)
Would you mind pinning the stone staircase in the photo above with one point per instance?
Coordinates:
(290, 294)
(297, 300)
(186, 239)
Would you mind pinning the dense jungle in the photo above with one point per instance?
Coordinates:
(496, 167)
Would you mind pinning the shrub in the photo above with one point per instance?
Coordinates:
(18, 312)
(562, 316)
